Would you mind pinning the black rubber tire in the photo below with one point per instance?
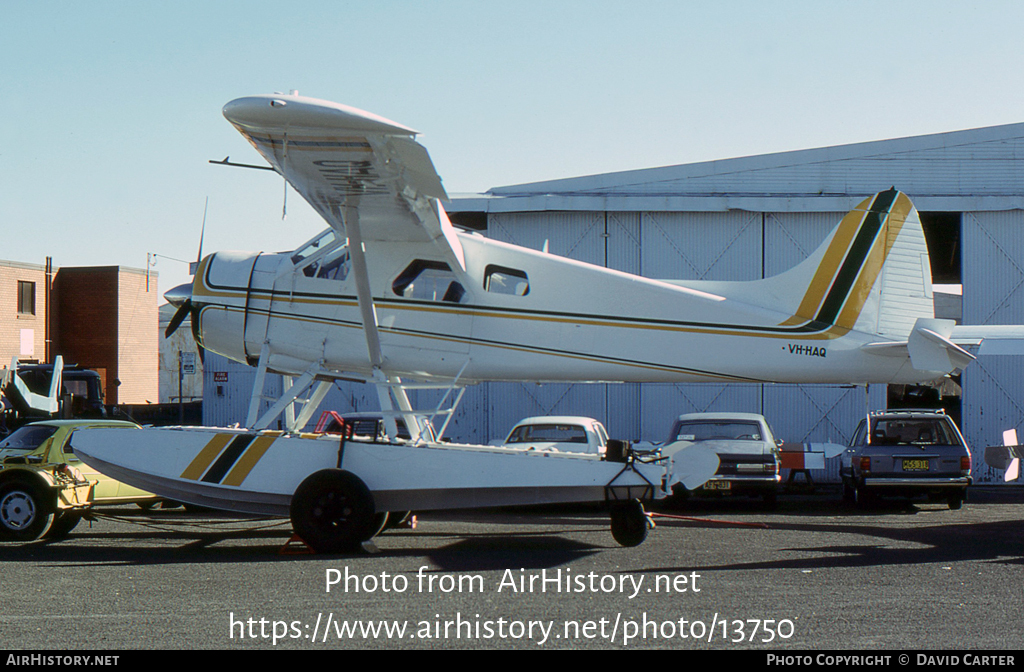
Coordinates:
(332, 511)
(862, 497)
(955, 501)
(26, 511)
(629, 523)
(62, 525)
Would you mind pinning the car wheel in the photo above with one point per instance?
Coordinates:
(629, 523)
(771, 501)
(25, 512)
(333, 511)
(955, 501)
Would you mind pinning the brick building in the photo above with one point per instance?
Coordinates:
(23, 300)
(103, 318)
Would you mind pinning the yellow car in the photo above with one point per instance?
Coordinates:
(45, 489)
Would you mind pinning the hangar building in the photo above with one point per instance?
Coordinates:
(742, 219)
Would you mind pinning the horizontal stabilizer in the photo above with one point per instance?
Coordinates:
(1008, 346)
(931, 349)
(1001, 339)
(929, 346)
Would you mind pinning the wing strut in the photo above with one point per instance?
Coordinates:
(293, 388)
(366, 308)
(393, 399)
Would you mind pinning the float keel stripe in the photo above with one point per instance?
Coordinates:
(212, 449)
(228, 458)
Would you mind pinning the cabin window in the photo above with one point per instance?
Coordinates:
(502, 280)
(429, 281)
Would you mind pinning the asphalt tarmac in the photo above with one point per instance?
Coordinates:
(812, 575)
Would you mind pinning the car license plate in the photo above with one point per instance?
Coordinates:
(718, 485)
(915, 465)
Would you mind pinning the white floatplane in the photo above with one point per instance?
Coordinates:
(393, 294)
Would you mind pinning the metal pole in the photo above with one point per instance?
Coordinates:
(181, 404)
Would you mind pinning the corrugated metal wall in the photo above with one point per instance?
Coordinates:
(993, 293)
(701, 245)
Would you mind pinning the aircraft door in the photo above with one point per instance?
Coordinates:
(301, 309)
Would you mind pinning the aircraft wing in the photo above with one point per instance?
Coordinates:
(349, 163)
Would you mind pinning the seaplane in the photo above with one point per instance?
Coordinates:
(393, 294)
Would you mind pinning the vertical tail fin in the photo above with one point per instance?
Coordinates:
(872, 272)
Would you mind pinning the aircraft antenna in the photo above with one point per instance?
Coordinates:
(202, 235)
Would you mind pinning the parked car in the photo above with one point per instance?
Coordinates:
(565, 433)
(747, 450)
(907, 453)
(368, 426)
(45, 489)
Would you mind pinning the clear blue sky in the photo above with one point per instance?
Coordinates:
(110, 110)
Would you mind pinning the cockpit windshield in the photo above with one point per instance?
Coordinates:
(325, 257)
(323, 241)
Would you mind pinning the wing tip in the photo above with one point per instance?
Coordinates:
(293, 111)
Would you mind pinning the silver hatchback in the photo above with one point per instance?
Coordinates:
(907, 453)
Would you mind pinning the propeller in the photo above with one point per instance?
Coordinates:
(181, 296)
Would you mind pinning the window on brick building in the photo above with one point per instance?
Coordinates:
(26, 298)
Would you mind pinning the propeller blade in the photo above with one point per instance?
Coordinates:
(179, 316)
(202, 232)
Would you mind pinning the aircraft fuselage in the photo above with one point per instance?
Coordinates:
(514, 314)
